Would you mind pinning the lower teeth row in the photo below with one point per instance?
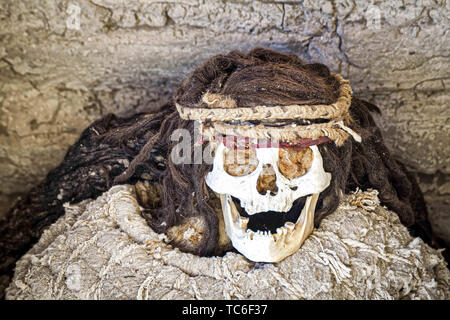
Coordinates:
(280, 231)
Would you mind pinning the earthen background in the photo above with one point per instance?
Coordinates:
(64, 64)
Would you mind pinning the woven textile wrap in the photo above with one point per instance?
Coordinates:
(103, 249)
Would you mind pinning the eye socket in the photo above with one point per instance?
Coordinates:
(239, 163)
(294, 163)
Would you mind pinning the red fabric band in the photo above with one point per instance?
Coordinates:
(240, 143)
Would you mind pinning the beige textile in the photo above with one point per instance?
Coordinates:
(104, 249)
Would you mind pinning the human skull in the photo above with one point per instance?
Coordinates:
(267, 184)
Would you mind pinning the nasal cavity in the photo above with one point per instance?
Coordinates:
(267, 181)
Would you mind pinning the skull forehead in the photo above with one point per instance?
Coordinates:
(267, 155)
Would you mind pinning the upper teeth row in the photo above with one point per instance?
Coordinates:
(252, 208)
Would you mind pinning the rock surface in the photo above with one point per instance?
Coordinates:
(66, 63)
(104, 249)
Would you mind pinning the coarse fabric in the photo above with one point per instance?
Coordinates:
(104, 249)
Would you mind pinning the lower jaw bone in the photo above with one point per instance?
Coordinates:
(263, 246)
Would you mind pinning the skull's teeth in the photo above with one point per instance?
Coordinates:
(280, 234)
(252, 208)
(287, 228)
(251, 234)
(289, 225)
(243, 222)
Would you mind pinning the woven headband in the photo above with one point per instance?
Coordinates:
(335, 130)
(222, 113)
(225, 109)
